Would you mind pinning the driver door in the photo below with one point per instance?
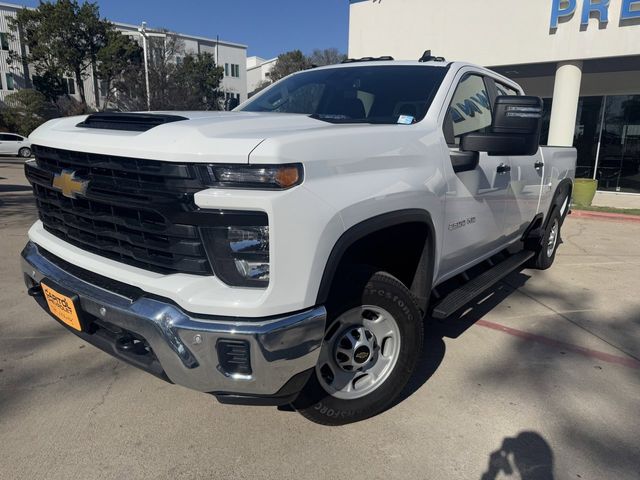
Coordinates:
(477, 183)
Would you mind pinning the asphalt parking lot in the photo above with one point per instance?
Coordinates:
(540, 377)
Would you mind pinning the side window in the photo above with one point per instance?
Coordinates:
(4, 41)
(470, 109)
(5, 138)
(505, 90)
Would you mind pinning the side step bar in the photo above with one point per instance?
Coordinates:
(463, 295)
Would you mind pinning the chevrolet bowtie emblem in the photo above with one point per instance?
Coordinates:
(68, 184)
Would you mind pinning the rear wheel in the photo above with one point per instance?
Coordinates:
(25, 152)
(370, 349)
(546, 252)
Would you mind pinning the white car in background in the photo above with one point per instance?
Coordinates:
(14, 144)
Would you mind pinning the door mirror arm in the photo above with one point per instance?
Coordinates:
(464, 161)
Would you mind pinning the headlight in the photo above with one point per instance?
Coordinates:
(272, 177)
(239, 254)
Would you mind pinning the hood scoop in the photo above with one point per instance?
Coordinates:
(132, 122)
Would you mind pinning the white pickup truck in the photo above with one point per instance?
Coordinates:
(288, 252)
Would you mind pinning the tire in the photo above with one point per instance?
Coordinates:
(24, 152)
(368, 305)
(546, 252)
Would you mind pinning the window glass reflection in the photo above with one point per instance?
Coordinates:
(619, 163)
(618, 166)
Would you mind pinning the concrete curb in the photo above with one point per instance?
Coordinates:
(621, 217)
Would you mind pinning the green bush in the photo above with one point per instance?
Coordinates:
(25, 110)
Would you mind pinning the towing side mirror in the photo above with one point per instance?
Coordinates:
(517, 123)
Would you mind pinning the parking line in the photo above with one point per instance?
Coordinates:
(587, 352)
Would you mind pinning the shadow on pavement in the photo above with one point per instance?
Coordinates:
(527, 457)
(14, 188)
(435, 331)
(17, 205)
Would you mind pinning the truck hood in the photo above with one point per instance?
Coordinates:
(207, 137)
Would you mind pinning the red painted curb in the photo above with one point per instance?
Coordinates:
(587, 352)
(622, 217)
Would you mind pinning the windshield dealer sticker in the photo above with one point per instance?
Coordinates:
(405, 119)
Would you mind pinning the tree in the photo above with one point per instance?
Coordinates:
(289, 63)
(25, 110)
(129, 91)
(328, 56)
(296, 61)
(120, 59)
(63, 38)
(50, 85)
(177, 81)
(163, 59)
(198, 79)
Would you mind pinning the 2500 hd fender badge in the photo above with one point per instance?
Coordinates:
(462, 223)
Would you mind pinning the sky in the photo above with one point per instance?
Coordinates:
(268, 28)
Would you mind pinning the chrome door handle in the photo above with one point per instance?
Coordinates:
(538, 165)
(503, 168)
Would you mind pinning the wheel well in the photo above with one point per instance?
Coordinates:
(565, 185)
(405, 250)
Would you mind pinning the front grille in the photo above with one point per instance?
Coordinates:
(139, 212)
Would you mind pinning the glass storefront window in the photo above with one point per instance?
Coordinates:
(612, 137)
(619, 162)
(586, 135)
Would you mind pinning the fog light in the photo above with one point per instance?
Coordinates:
(253, 270)
(239, 254)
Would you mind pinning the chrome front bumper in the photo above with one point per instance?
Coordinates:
(183, 347)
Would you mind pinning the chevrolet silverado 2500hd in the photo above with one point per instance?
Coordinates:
(289, 251)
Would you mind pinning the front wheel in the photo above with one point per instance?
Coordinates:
(370, 350)
(25, 152)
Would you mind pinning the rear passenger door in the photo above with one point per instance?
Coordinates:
(526, 179)
(476, 182)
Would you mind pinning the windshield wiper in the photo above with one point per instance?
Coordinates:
(330, 118)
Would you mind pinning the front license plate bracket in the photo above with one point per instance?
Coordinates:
(63, 304)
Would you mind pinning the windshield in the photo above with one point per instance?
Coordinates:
(367, 94)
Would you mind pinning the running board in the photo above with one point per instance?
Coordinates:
(463, 295)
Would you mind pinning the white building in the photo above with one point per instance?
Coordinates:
(581, 56)
(258, 71)
(231, 56)
(13, 74)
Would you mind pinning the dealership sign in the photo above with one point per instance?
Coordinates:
(566, 8)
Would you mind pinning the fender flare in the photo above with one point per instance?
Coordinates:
(556, 202)
(375, 224)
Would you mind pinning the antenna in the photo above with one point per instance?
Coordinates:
(427, 57)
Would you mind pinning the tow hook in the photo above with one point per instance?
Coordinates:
(35, 291)
(129, 344)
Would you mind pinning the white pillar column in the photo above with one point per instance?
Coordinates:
(566, 93)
